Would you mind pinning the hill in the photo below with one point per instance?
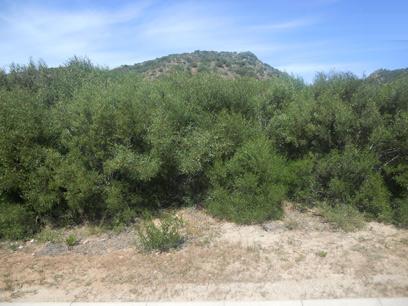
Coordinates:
(228, 64)
(386, 76)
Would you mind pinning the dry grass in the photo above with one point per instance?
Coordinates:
(306, 259)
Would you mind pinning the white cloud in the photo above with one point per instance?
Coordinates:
(190, 26)
(309, 70)
(142, 31)
(316, 67)
(286, 25)
(56, 35)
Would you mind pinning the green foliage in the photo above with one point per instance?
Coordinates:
(243, 64)
(350, 177)
(372, 198)
(79, 143)
(391, 144)
(249, 187)
(313, 125)
(49, 234)
(15, 222)
(300, 179)
(71, 240)
(401, 211)
(344, 217)
(162, 235)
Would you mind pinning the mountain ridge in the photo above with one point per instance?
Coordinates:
(227, 64)
(387, 75)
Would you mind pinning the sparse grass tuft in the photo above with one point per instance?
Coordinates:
(343, 217)
(13, 246)
(71, 240)
(321, 254)
(94, 230)
(8, 283)
(404, 241)
(162, 235)
(292, 224)
(49, 235)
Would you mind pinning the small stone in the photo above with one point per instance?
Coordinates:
(273, 227)
(53, 249)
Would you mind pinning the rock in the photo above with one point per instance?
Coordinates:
(273, 226)
(52, 249)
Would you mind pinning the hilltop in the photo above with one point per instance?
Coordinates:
(228, 64)
(386, 76)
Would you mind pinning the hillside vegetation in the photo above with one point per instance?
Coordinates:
(226, 64)
(80, 143)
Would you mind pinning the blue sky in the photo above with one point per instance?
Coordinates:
(298, 36)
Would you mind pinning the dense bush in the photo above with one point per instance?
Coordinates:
(15, 221)
(300, 180)
(81, 143)
(249, 187)
(351, 177)
(401, 211)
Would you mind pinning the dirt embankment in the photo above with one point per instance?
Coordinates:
(299, 257)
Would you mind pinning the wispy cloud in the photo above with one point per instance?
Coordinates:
(57, 34)
(317, 67)
(300, 37)
(286, 25)
(190, 26)
(308, 70)
(132, 32)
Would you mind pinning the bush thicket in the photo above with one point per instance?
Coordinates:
(82, 143)
(249, 187)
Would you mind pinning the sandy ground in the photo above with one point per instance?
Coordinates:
(299, 257)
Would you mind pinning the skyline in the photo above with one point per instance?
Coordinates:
(299, 37)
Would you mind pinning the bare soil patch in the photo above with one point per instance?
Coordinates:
(298, 257)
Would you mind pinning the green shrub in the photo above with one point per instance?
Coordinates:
(163, 235)
(391, 144)
(344, 217)
(350, 177)
(373, 198)
(71, 240)
(248, 188)
(15, 222)
(301, 180)
(310, 124)
(401, 211)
